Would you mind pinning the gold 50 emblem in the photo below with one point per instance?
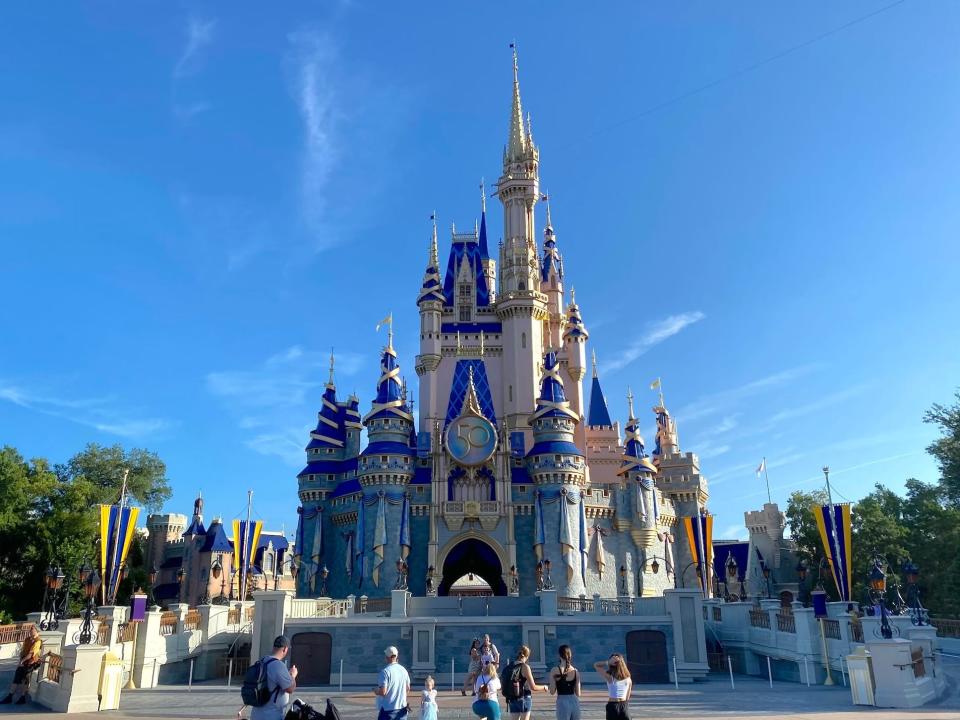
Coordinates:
(471, 440)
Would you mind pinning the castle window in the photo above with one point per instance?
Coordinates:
(464, 313)
(523, 338)
(383, 458)
(510, 392)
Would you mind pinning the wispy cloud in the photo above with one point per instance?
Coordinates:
(275, 401)
(99, 413)
(733, 532)
(724, 400)
(313, 56)
(821, 403)
(655, 334)
(199, 34)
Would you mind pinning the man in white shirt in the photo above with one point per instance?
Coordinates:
(392, 688)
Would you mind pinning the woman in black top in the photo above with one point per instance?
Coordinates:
(565, 684)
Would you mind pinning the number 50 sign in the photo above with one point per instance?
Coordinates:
(471, 440)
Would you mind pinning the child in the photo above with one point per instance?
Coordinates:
(428, 701)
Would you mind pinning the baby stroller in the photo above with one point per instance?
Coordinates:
(299, 710)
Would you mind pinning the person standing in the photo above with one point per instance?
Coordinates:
(29, 661)
(428, 700)
(565, 683)
(493, 649)
(280, 682)
(392, 688)
(619, 686)
(487, 704)
(519, 685)
(473, 667)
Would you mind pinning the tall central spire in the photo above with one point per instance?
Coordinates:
(517, 142)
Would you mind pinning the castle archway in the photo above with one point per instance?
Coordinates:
(472, 556)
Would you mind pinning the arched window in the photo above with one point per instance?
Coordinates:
(523, 339)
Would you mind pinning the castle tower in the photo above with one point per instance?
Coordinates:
(602, 437)
(575, 337)
(521, 307)
(551, 283)
(488, 264)
(556, 466)
(430, 302)
(163, 530)
(386, 469)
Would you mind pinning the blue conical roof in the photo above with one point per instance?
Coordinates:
(634, 456)
(598, 413)
(552, 402)
(389, 399)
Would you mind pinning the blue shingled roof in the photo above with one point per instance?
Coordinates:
(458, 389)
(347, 487)
(598, 413)
(554, 447)
(216, 539)
(470, 252)
(387, 447)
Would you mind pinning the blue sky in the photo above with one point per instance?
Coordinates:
(197, 203)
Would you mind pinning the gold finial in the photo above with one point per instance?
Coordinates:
(630, 401)
(573, 295)
(483, 197)
(434, 253)
(330, 380)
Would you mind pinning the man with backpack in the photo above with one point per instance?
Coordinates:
(268, 683)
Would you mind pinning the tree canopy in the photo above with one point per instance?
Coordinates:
(49, 518)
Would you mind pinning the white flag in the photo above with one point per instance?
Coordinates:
(762, 466)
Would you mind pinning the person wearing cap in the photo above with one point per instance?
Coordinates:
(392, 689)
(280, 681)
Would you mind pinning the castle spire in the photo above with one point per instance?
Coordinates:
(434, 252)
(330, 383)
(517, 140)
(598, 413)
(634, 456)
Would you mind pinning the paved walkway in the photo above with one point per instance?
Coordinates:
(752, 699)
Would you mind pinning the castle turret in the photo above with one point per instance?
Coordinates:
(521, 306)
(386, 469)
(604, 451)
(556, 465)
(551, 283)
(430, 302)
(575, 337)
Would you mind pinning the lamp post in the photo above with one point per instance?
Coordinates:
(623, 580)
(547, 582)
(218, 574)
(151, 584)
(402, 570)
(180, 578)
(514, 581)
(539, 572)
(732, 569)
(428, 581)
(917, 611)
(324, 574)
(801, 582)
(678, 579)
(53, 612)
(90, 582)
(878, 586)
(765, 569)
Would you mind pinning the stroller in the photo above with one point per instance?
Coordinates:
(299, 710)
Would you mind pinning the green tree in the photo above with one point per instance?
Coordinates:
(50, 518)
(946, 449)
(878, 529)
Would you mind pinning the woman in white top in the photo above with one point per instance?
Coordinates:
(619, 686)
(486, 688)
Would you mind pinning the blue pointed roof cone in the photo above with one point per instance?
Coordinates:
(552, 402)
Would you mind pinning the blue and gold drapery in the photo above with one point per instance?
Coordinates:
(381, 499)
(700, 537)
(117, 526)
(245, 541)
(565, 531)
(837, 545)
(647, 483)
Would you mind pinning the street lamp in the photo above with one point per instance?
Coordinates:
(53, 582)
(623, 580)
(428, 581)
(324, 574)
(801, 578)
(878, 586)
(180, 577)
(917, 611)
(765, 569)
(732, 569)
(152, 582)
(514, 580)
(90, 582)
(547, 582)
(218, 574)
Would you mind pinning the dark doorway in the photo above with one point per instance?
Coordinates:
(647, 656)
(472, 556)
(310, 652)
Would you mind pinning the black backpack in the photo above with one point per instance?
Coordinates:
(255, 690)
(332, 712)
(512, 681)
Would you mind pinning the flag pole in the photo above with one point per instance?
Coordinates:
(833, 536)
(244, 550)
(766, 475)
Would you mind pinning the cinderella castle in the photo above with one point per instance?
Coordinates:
(508, 474)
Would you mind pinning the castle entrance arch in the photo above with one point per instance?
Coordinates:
(472, 556)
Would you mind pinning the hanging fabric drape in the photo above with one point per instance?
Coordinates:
(117, 526)
(667, 539)
(317, 554)
(700, 536)
(647, 484)
(598, 555)
(348, 555)
(298, 550)
(570, 502)
(381, 500)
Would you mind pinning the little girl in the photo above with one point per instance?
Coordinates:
(428, 701)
